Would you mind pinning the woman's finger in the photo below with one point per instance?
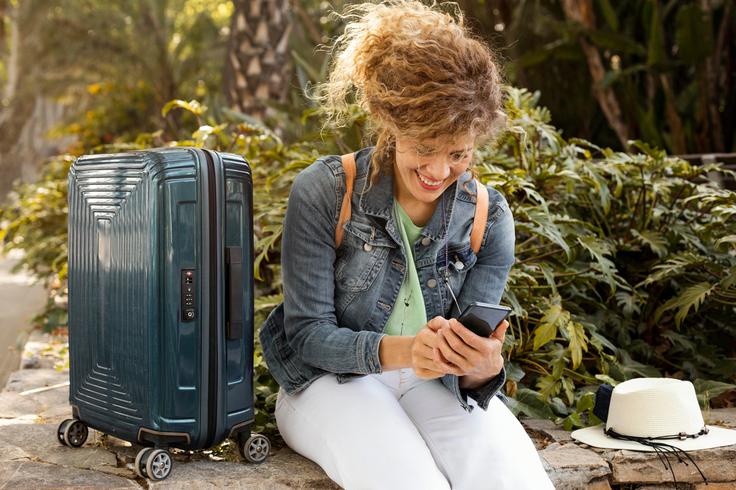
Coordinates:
(436, 323)
(468, 337)
(446, 365)
(431, 362)
(449, 353)
(455, 336)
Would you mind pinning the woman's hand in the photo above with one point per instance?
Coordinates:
(459, 351)
(423, 347)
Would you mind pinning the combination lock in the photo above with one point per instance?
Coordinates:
(188, 288)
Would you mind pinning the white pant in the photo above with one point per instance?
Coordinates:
(396, 431)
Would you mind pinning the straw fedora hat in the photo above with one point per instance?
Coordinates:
(647, 413)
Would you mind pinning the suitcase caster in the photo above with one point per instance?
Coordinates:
(153, 464)
(254, 449)
(72, 433)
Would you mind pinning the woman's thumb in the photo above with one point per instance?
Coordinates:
(500, 332)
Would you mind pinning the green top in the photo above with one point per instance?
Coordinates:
(408, 315)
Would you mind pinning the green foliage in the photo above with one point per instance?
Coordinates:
(624, 261)
(35, 221)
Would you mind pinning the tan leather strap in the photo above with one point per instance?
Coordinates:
(348, 165)
(479, 220)
(481, 216)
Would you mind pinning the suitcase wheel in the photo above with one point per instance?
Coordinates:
(154, 464)
(72, 433)
(255, 449)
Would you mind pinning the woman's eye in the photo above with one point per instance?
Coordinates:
(456, 157)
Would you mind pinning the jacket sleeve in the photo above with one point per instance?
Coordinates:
(307, 261)
(486, 280)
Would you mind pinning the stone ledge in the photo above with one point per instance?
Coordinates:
(283, 469)
(629, 467)
(570, 466)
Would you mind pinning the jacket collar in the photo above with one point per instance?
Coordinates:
(378, 201)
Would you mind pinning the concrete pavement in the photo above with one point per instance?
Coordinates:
(20, 300)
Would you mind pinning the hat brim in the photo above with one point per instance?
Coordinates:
(716, 437)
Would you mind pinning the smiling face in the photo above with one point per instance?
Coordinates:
(423, 169)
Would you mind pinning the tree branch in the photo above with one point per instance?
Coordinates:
(581, 11)
(3, 9)
(679, 145)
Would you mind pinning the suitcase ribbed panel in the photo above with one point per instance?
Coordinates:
(109, 315)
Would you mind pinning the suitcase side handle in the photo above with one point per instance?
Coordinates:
(234, 294)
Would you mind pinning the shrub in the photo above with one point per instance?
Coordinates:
(625, 264)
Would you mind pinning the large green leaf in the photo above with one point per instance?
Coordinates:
(529, 403)
(578, 342)
(598, 249)
(673, 267)
(693, 34)
(609, 14)
(616, 42)
(654, 240)
(656, 55)
(709, 389)
(691, 297)
(547, 329)
(192, 106)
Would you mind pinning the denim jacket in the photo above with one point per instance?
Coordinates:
(337, 301)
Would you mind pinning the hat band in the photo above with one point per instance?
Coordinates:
(681, 435)
(662, 449)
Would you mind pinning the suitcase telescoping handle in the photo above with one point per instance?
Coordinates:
(234, 295)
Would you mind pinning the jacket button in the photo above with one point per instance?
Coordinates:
(426, 241)
(367, 247)
(459, 265)
(432, 283)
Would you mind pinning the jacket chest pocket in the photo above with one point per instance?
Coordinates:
(361, 256)
(459, 261)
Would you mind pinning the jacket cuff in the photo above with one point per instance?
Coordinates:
(484, 393)
(369, 359)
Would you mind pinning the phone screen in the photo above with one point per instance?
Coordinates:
(483, 318)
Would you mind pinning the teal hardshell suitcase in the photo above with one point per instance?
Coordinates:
(161, 302)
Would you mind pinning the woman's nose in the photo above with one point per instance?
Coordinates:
(438, 169)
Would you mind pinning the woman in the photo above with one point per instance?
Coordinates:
(372, 391)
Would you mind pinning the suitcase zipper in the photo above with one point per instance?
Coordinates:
(213, 355)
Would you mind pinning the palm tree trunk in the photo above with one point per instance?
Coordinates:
(258, 65)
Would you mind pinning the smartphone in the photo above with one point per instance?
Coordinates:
(483, 318)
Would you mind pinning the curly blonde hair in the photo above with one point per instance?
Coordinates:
(417, 70)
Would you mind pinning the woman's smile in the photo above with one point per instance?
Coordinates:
(427, 183)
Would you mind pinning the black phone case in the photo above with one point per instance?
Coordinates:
(482, 318)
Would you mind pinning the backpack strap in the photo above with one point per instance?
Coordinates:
(479, 220)
(348, 165)
(481, 216)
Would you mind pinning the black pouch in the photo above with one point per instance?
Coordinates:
(602, 401)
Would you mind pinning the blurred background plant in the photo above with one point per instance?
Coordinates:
(626, 256)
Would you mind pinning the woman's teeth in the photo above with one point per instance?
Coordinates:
(429, 183)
